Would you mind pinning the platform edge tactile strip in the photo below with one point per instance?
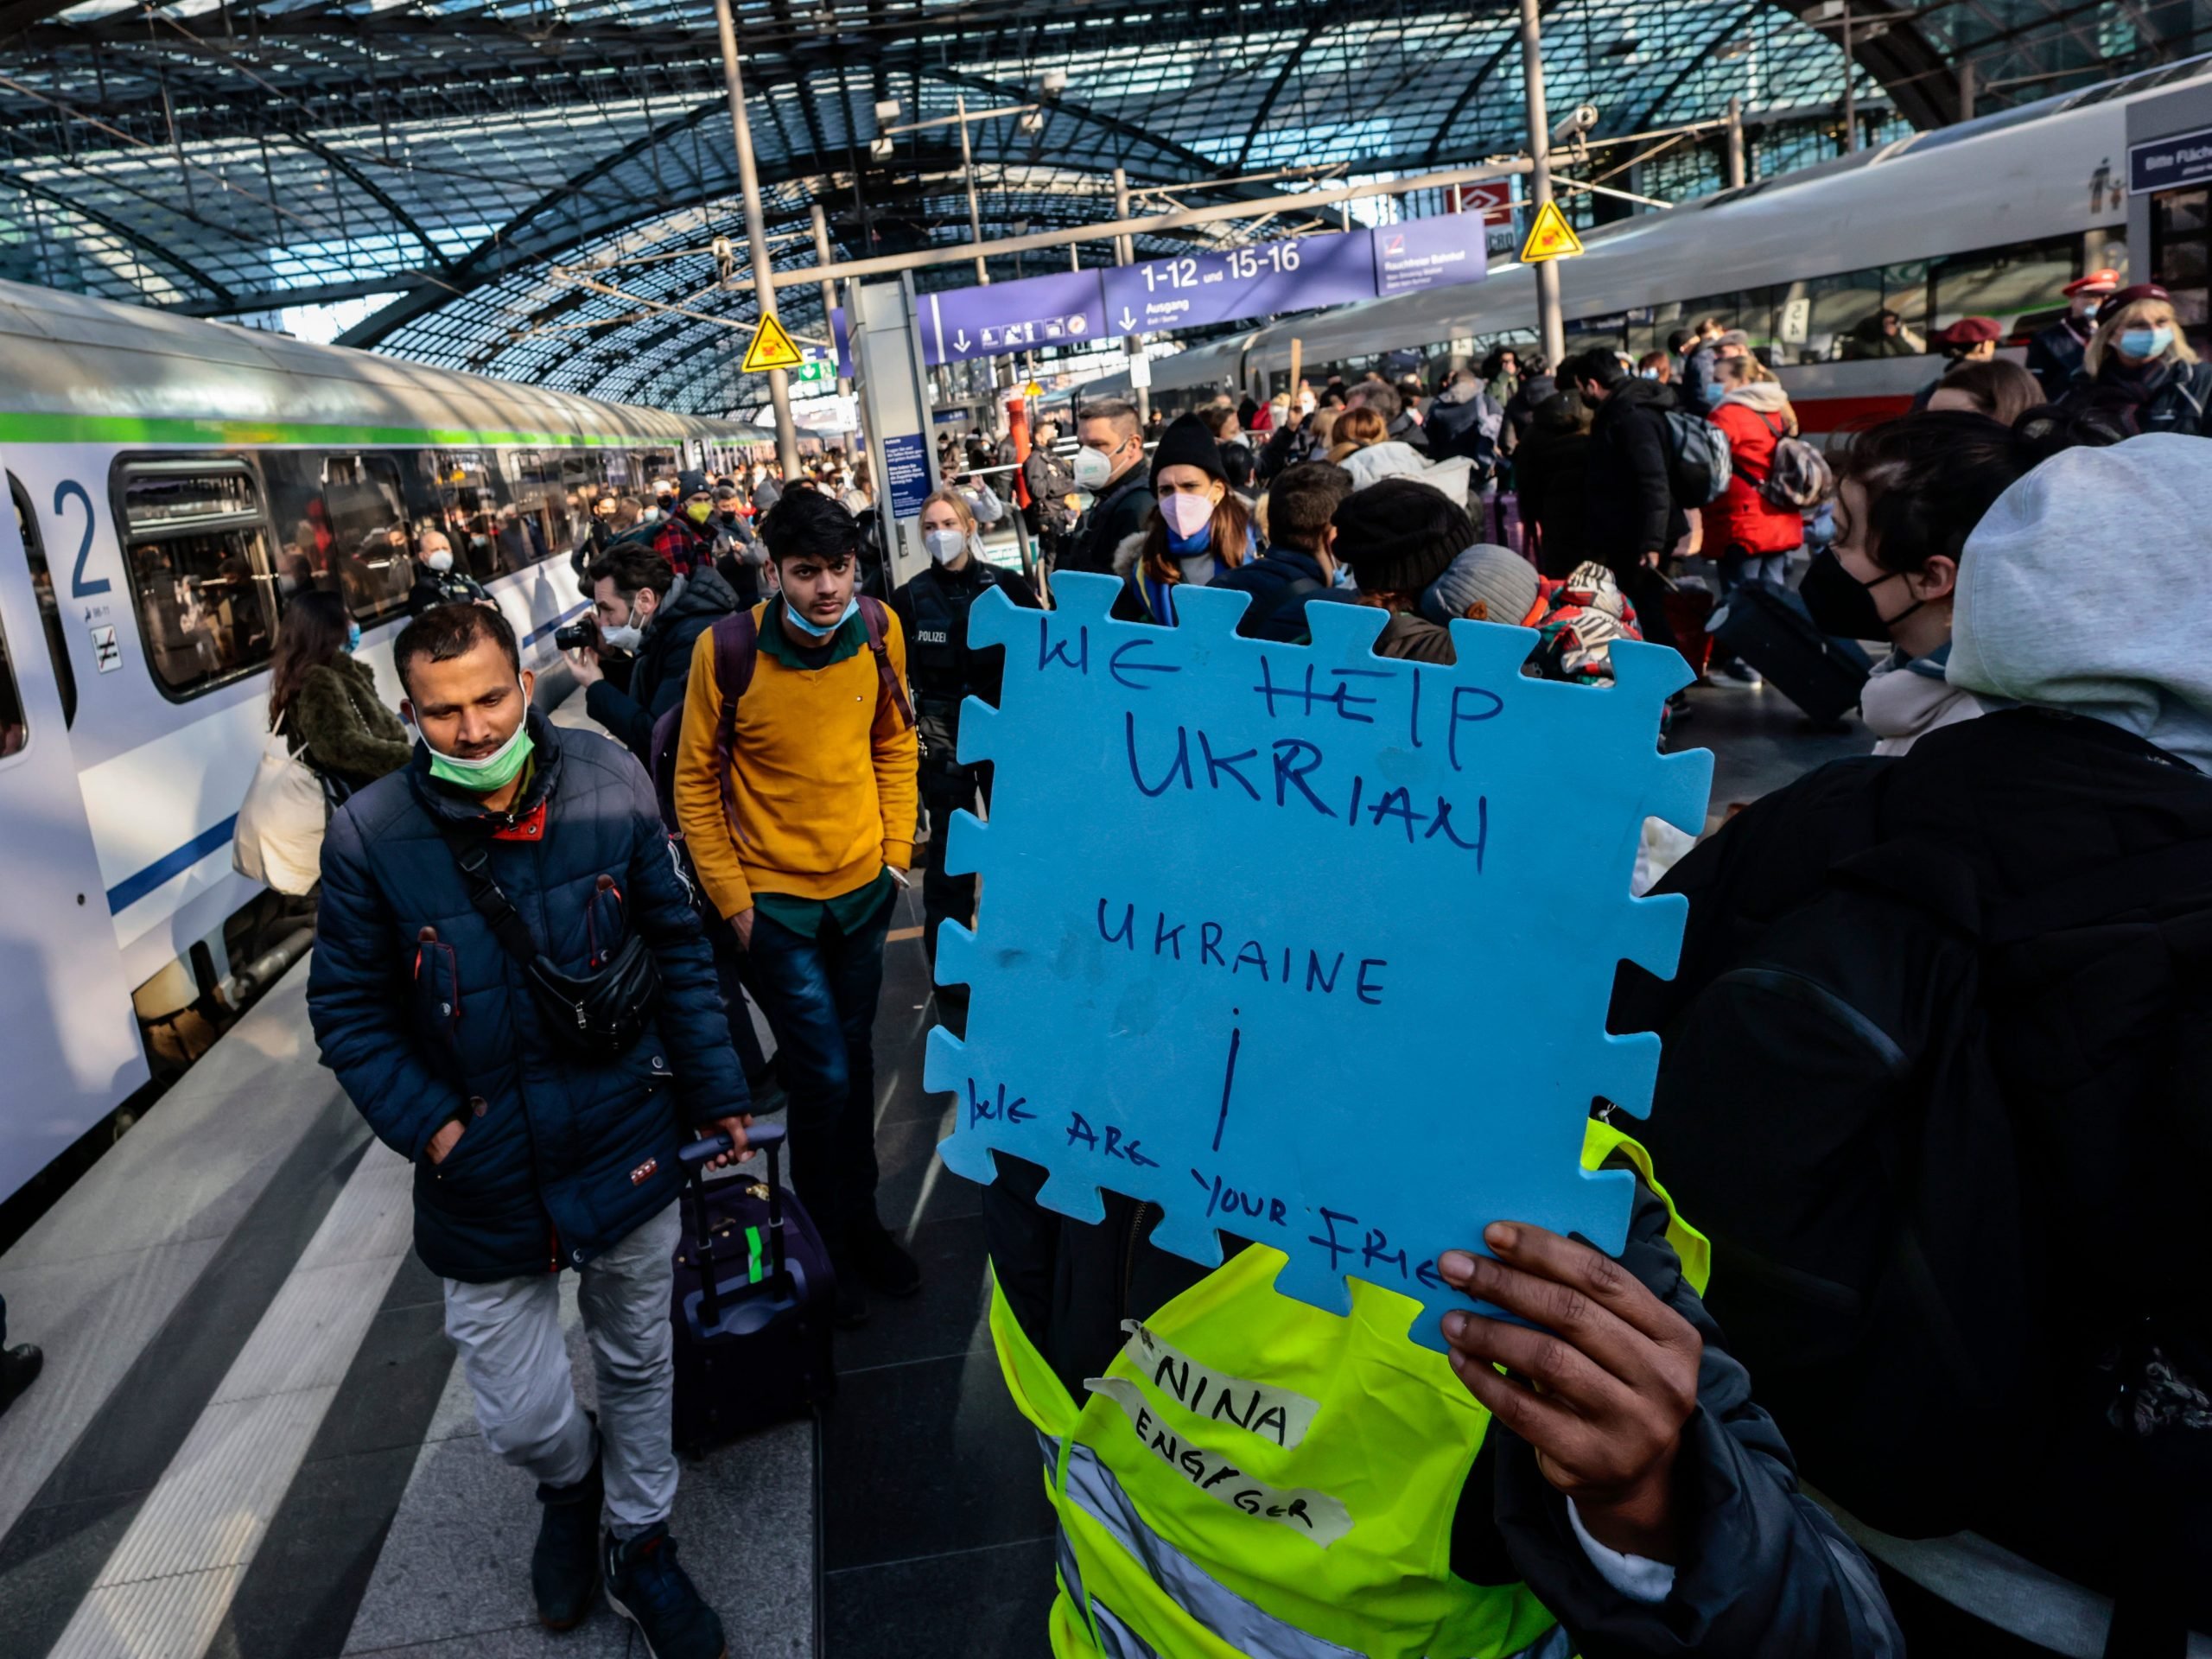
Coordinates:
(188, 1547)
(174, 1618)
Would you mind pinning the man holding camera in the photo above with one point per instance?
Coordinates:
(511, 983)
(643, 609)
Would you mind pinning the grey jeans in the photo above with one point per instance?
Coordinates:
(508, 1334)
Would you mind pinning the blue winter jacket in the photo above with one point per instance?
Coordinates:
(426, 1019)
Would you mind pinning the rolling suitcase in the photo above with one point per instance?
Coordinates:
(755, 1296)
(1770, 629)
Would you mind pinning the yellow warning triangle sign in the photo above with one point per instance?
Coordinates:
(771, 348)
(1550, 237)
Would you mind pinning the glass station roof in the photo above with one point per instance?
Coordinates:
(525, 188)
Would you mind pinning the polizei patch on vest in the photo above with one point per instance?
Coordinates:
(1309, 1514)
(1304, 944)
(1280, 1415)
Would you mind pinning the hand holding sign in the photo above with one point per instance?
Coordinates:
(1601, 1392)
(1303, 943)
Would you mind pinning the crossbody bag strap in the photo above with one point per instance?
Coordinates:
(887, 677)
(474, 858)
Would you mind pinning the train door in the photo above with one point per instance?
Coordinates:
(68, 1031)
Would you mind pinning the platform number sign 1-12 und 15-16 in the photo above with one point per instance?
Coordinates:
(1342, 1071)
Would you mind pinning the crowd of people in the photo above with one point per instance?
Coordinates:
(1907, 1077)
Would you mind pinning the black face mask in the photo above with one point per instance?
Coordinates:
(1842, 606)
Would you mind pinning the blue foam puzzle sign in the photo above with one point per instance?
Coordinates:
(1304, 944)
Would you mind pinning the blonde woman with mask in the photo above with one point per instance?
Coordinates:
(933, 608)
(2140, 370)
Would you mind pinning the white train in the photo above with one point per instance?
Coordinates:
(1991, 216)
(172, 480)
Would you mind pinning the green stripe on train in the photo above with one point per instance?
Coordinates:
(126, 428)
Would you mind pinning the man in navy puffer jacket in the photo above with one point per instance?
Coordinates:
(528, 1159)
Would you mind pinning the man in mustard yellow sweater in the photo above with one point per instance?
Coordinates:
(795, 789)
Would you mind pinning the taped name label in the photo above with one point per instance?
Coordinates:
(1277, 1415)
(1311, 1515)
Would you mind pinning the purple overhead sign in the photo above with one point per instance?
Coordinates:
(1193, 289)
(1423, 253)
(989, 321)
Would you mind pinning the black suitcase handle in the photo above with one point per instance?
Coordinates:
(761, 1137)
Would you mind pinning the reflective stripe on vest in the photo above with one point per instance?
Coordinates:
(1232, 1619)
(1231, 1398)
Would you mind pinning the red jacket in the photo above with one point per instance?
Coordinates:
(1742, 518)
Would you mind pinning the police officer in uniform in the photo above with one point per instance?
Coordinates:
(933, 608)
(2057, 351)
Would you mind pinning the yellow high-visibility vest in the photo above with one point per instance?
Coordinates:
(1254, 1479)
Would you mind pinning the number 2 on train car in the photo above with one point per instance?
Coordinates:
(79, 588)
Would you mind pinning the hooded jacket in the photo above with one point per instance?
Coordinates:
(1755, 418)
(1907, 698)
(662, 665)
(1392, 458)
(2037, 621)
(426, 1019)
(1632, 510)
(338, 718)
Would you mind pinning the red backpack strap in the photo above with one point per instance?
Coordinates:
(887, 677)
(737, 647)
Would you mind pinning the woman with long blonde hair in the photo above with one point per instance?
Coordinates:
(2140, 370)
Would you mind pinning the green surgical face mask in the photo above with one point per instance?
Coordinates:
(494, 772)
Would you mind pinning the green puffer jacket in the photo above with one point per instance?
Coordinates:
(344, 725)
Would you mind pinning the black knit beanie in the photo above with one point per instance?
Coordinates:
(1399, 535)
(1187, 443)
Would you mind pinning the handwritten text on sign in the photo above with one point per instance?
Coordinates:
(1304, 945)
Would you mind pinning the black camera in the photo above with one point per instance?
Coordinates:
(578, 636)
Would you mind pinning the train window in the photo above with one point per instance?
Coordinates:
(535, 521)
(371, 537)
(469, 505)
(2010, 285)
(1850, 316)
(2181, 251)
(49, 610)
(199, 555)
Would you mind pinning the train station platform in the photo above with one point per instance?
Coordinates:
(252, 1442)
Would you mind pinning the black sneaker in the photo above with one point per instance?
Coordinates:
(564, 1566)
(19, 1368)
(646, 1586)
(882, 1264)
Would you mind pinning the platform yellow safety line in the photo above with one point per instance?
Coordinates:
(169, 1586)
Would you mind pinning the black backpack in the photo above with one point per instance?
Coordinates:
(1919, 1119)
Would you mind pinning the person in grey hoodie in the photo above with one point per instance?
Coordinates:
(2036, 623)
(1992, 949)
